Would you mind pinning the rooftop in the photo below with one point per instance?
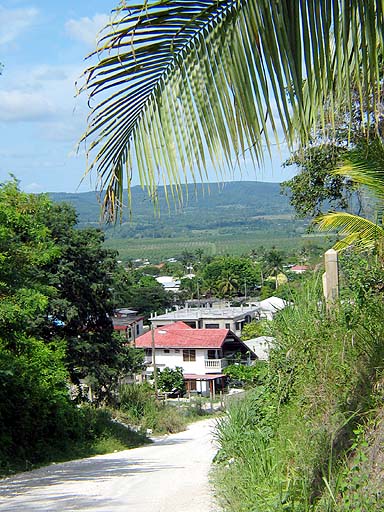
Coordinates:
(196, 313)
(180, 335)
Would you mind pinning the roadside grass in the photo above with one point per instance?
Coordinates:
(91, 432)
(289, 444)
(139, 407)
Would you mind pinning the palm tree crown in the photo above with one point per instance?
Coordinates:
(365, 166)
(179, 83)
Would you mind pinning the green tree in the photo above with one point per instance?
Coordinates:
(229, 275)
(35, 411)
(178, 84)
(170, 379)
(228, 285)
(364, 167)
(255, 329)
(82, 304)
(273, 264)
(314, 186)
(147, 296)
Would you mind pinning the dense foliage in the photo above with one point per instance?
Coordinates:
(297, 439)
(171, 379)
(55, 327)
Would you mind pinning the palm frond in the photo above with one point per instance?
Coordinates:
(365, 166)
(357, 231)
(179, 83)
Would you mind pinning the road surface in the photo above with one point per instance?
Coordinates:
(171, 475)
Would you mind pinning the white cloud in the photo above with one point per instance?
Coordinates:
(33, 187)
(24, 106)
(86, 30)
(14, 22)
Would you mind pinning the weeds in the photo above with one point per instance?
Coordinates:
(286, 446)
(140, 408)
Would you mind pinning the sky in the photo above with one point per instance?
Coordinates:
(43, 45)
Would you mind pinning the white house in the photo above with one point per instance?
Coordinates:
(267, 308)
(229, 318)
(260, 346)
(201, 353)
(169, 283)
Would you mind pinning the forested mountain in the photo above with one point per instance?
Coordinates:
(209, 206)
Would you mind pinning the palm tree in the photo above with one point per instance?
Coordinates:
(274, 264)
(365, 166)
(176, 84)
(227, 285)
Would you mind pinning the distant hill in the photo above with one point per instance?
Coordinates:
(213, 206)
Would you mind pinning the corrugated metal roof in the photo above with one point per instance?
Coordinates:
(180, 335)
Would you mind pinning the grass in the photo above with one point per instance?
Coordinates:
(96, 433)
(289, 444)
(139, 407)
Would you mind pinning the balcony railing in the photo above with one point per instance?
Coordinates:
(215, 364)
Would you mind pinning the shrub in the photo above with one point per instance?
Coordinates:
(284, 444)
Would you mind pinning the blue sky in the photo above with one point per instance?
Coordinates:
(42, 46)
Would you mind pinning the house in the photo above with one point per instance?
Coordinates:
(267, 308)
(201, 353)
(169, 283)
(229, 318)
(260, 346)
(299, 269)
(128, 323)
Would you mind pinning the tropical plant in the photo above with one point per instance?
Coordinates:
(273, 261)
(171, 379)
(365, 167)
(179, 83)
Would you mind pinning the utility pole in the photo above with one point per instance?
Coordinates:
(154, 361)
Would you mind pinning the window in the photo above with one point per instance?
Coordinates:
(177, 351)
(166, 351)
(211, 354)
(212, 326)
(227, 326)
(189, 354)
(137, 329)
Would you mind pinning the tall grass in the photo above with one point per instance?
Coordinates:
(141, 409)
(283, 447)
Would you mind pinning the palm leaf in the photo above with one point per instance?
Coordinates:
(178, 84)
(365, 166)
(357, 231)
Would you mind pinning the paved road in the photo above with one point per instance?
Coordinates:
(170, 475)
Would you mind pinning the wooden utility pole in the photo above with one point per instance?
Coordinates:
(331, 278)
(154, 360)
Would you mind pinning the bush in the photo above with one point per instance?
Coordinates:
(282, 447)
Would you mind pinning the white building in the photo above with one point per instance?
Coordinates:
(230, 318)
(169, 283)
(201, 353)
(260, 346)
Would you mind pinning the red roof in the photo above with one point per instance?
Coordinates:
(180, 335)
(299, 267)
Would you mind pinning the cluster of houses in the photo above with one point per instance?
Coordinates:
(202, 339)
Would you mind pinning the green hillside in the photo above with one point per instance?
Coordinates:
(219, 218)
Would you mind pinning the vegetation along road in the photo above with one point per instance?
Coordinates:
(168, 476)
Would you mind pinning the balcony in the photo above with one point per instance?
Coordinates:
(215, 365)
